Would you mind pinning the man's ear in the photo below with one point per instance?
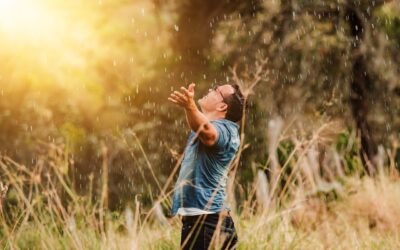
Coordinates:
(222, 107)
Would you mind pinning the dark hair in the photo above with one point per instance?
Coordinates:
(235, 103)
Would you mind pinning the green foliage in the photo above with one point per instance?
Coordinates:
(73, 136)
(390, 22)
(347, 146)
(285, 149)
(106, 69)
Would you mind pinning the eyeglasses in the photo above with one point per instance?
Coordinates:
(236, 94)
(215, 88)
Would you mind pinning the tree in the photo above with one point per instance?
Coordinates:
(323, 62)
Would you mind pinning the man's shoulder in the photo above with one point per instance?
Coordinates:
(227, 123)
(227, 127)
(228, 134)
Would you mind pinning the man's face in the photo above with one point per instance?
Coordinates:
(214, 100)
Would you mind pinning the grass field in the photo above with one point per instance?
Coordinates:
(308, 210)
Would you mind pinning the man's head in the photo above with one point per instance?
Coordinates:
(224, 99)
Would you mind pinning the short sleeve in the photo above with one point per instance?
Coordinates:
(223, 136)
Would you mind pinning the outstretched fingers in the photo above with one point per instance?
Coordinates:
(184, 97)
(179, 96)
(173, 100)
(186, 92)
(191, 87)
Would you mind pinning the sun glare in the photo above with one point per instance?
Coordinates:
(23, 18)
(44, 38)
(58, 42)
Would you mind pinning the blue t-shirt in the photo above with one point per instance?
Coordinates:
(204, 170)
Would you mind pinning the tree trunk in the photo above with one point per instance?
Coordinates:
(360, 86)
(197, 22)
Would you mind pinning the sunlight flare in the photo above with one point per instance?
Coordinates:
(23, 17)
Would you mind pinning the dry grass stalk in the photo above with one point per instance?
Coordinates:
(247, 81)
(262, 190)
(3, 193)
(104, 193)
(274, 131)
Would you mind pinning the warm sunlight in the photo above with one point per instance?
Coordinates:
(22, 18)
(42, 38)
(75, 46)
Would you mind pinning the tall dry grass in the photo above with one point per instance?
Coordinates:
(317, 198)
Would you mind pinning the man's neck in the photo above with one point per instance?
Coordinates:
(214, 116)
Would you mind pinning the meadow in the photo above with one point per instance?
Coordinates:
(310, 208)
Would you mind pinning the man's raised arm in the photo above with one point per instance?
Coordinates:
(197, 121)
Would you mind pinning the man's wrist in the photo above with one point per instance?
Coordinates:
(191, 107)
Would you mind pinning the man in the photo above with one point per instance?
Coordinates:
(200, 192)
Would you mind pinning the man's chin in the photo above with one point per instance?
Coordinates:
(200, 102)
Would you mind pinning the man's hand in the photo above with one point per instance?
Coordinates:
(197, 121)
(184, 98)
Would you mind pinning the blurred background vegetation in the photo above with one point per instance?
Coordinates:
(87, 75)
